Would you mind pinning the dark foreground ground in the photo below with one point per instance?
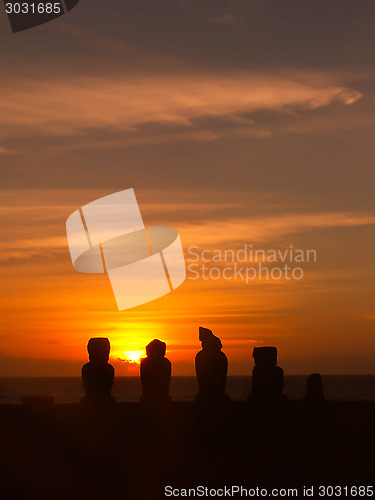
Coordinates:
(129, 451)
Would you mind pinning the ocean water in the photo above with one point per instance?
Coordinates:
(69, 389)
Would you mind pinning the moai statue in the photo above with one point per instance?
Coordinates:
(314, 389)
(211, 366)
(155, 373)
(98, 374)
(268, 378)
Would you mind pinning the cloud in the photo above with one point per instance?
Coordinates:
(127, 364)
(25, 243)
(124, 103)
(267, 228)
(226, 19)
(165, 137)
(142, 140)
(336, 120)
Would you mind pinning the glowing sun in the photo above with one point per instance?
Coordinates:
(134, 356)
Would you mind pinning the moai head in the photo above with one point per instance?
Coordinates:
(156, 349)
(265, 356)
(209, 340)
(98, 349)
(314, 387)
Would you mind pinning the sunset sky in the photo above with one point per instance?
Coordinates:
(236, 122)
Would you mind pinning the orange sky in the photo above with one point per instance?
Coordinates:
(321, 322)
(232, 138)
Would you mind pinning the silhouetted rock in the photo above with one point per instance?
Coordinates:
(268, 378)
(98, 374)
(314, 389)
(155, 373)
(211, 366)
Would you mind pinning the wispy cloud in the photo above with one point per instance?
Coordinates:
(269, 228)
(226, 19)
(124, 103)
(27, 243)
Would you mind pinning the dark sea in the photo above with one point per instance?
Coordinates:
(69, 389)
